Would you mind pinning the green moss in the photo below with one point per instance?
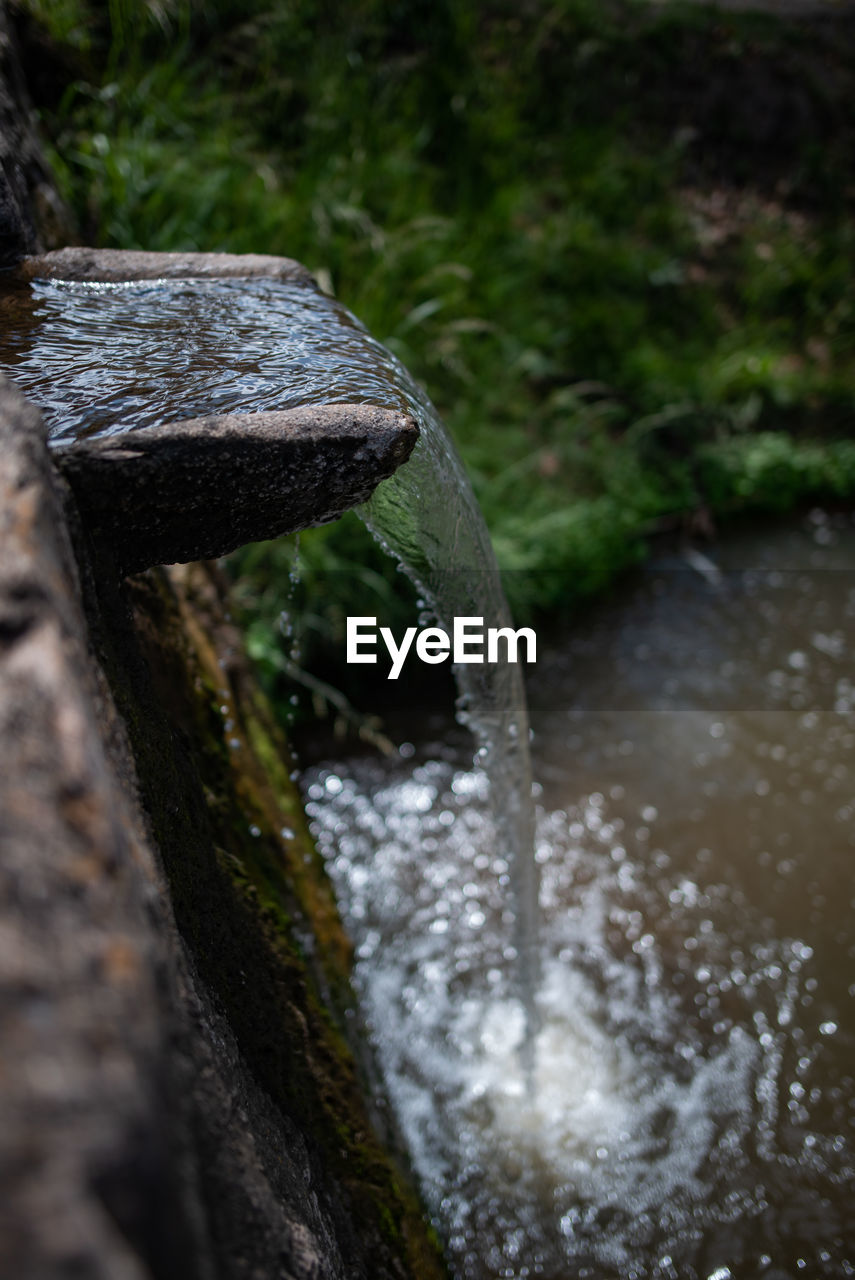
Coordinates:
(249, 892)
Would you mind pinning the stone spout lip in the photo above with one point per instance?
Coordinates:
(197, 489)
(117, 266)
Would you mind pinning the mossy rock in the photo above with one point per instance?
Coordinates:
(250, 894)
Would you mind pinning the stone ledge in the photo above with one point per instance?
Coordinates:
(198, 489)
(118, 265)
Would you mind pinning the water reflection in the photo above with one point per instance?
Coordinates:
(693, 1115)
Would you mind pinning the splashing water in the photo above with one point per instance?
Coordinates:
(694, 1110)
(106, 358)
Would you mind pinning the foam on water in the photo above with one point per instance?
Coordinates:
(693, 1109)
(658, 1140)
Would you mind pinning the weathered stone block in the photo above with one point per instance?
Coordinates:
(195, 490)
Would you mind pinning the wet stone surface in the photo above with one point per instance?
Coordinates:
(197, 402)
(197, 490)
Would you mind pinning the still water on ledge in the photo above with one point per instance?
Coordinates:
(693, 1106)
(102, 358)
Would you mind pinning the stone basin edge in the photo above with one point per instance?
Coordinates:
(118, 266)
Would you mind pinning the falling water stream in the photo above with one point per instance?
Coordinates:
(104, 358)
(691, 1109)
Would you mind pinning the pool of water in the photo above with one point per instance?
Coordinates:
(692, 1109)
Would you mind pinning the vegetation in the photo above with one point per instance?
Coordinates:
(613, 239)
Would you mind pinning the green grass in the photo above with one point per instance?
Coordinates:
(628, 302)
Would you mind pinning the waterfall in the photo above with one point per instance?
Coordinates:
(104, 358)
(427, 516)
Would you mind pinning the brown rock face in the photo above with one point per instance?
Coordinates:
(79, 1019)
(178, 1099)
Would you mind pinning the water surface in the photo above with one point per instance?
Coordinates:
(100, 359)
(693, 1109)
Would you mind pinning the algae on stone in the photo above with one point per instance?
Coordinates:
(250, 893)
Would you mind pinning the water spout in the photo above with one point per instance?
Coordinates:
(129, 337)
(427, 516)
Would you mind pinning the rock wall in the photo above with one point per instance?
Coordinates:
(183, 1083)
(174, 999)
